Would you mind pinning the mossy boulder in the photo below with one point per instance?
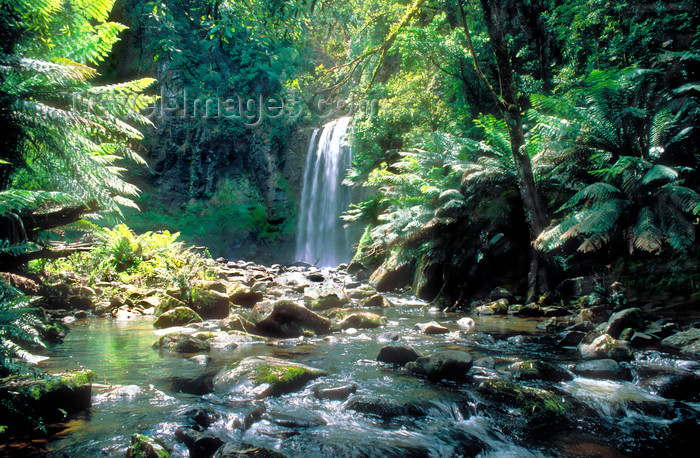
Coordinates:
(183, 343)
(285, 318)
(534, 403)
(26, 404)
(236, 322)
(243, 450)
(499, 307)
(632, 318)
(168, 303)
(540, 370)
(326, 302)
(243, 295)
(605, 347)
(178, 316)
(210, 304)
(143, 446)
(264, 376)
(362, 320)
(393, 273)
(448, 364)
(376, 300)
(685, 341)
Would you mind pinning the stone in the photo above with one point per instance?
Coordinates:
(555, 311)
(236, 322)
(362, 320)
(499, 307)
(431, 328)
(536, 404)
(500, 293)
(540, 370)
(80, 302)
(168, 303)
(608, 369)
(604, 347)
(399, 355)
(210, 304)
(328, 301)
(376, 300)
(263, 376)
(143, 446)
(685, 341)
(629, 318)
(388, 336)
(383, 407)
(391, 275)
(285, 318)
(243, 450)
(531, 309)
(179, 316)
(199, 444)
(571, 339)
(670, 382)
(182, 343)
(448, 364)
(339, 393)
(466, 323)
(244, 296)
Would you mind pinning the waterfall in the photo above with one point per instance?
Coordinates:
(321, 239)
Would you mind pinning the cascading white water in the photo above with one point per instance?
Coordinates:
(322, 239)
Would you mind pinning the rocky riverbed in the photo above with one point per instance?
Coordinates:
(308, 362)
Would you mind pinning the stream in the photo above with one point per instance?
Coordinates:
(139, 389)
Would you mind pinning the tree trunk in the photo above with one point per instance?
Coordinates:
(532, 202)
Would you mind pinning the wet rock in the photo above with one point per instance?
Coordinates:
(595, 314)
(168, 303)
(392, 275)
(385, 408)
(607, 369)
(685, 341)
(629, 318)
(315, 277)
(236, 322)
(388, 336)
(339, 393)
(604, 347)
(394, 354)
(202, 360)
(210, 304)
(362, 320)
(466, 323)
(80, 302)
(328, 301)
(26, 400)
(199, 444)
(183, 343)
(219, 286)
(571, 339)
(638, 339)
(285, 318)
(448, 364)
(143, 446)
(243, 450)
(499, 307)
(500, 293)
(534, 403)
(203, 416)
(485, 363)
(355, 267)
(531, 309)
(669, 382)
(555, 311)
(376, 301)
(244, 296)
(540, 370)
(263, 376)
(178, 316)
(431, 328)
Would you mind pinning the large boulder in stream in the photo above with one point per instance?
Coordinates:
(540, 370)
(182, 343)
(362, 320)
(536, 404)
(629, 318)
(448, 364)
(392, 274)
(602, 369)
(210, 303)
(243, 295)
(685, 341)
(26, 402)
(263, 376)
(396, 354)
(179, 316)
(286, 318)
(605, 347)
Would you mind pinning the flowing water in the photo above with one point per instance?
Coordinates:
(160, 389)
(322, 240)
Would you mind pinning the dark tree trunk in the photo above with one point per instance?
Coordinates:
(532, 202)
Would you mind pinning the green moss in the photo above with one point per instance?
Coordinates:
(276, 375)
(143, 446)
(534, 403)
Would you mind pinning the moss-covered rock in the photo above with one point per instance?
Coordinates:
(605, 347)
(499, 307)
(376, 300)
(534, 403)
(210, 304)
(168, 303)
(236, 322)
(448, 364)
(243, 295)
(177, 317)
(286, 318)
(362, 320)
(540, 370)
(143, 446)
(183, 343)
(326, 302)
(263, 376)
(394, 273)
(26, 404)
